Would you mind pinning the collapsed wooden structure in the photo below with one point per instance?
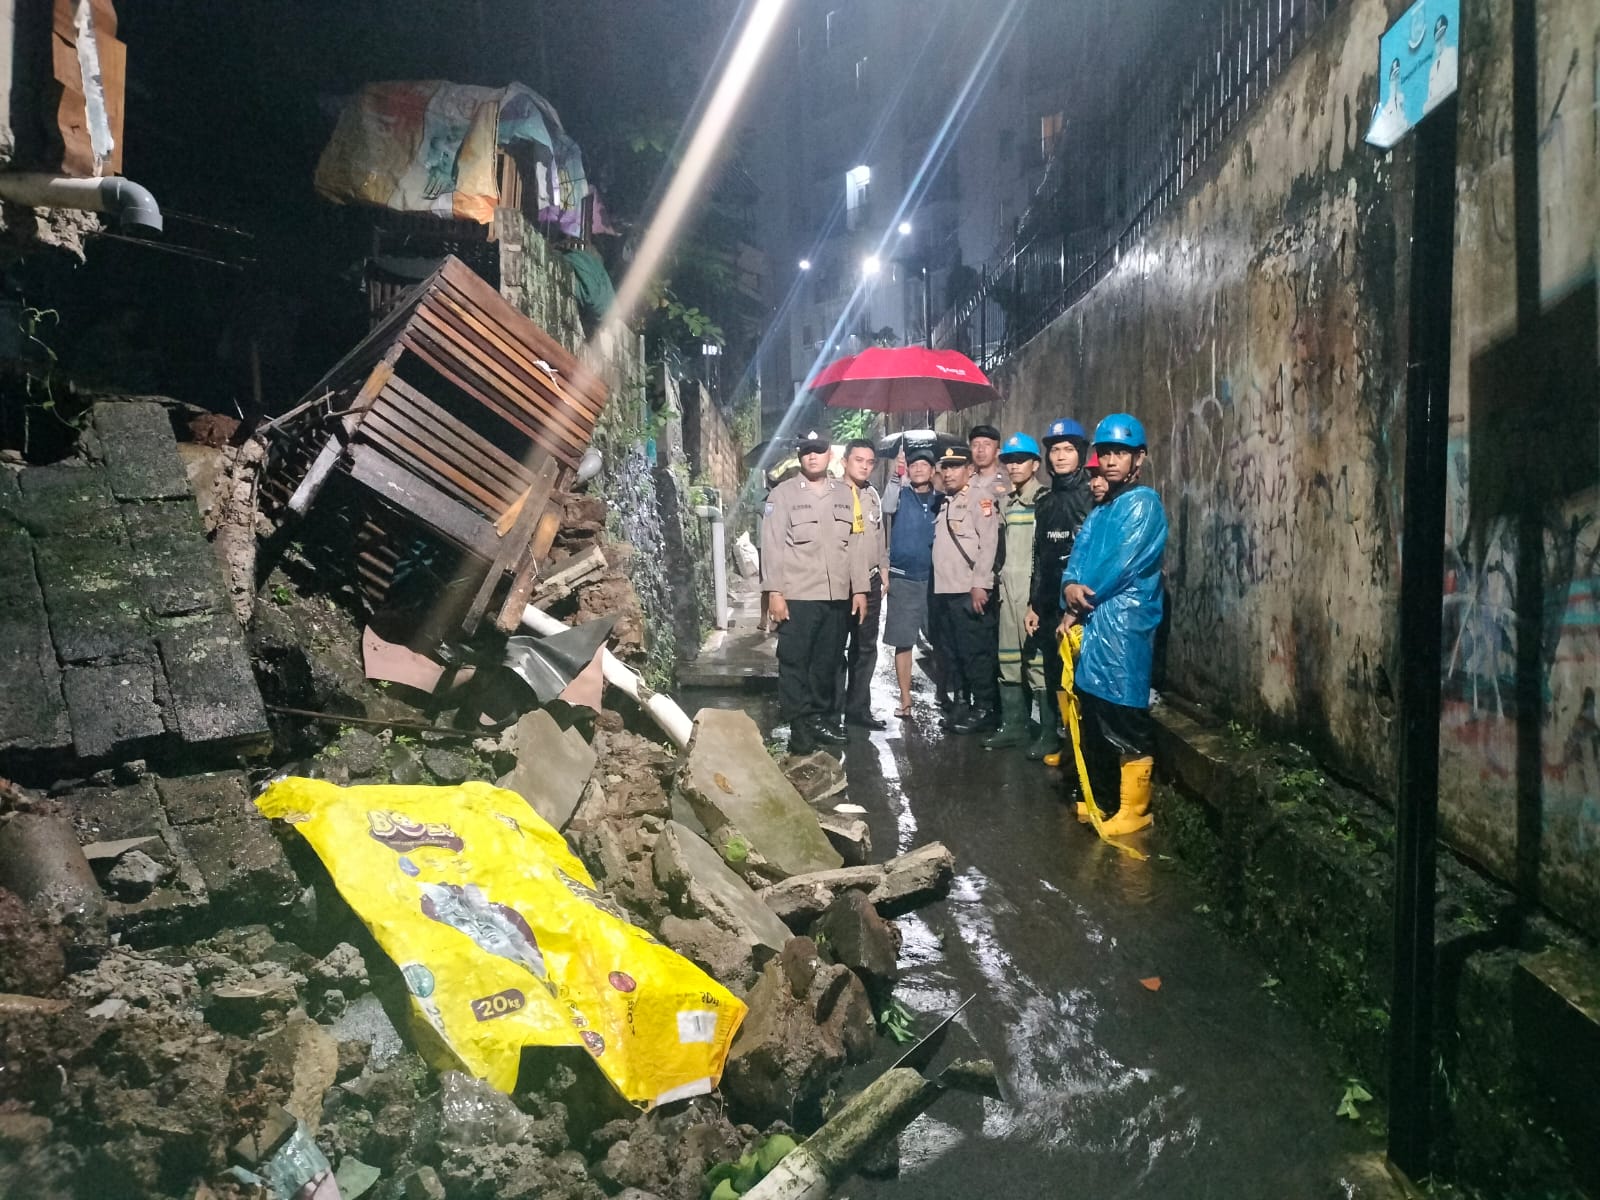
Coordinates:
(460, 414)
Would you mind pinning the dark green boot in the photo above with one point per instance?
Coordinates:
(1013, 729)
(1048, 739)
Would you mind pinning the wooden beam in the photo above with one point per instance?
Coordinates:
(515, 543)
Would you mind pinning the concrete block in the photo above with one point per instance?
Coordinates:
(33, 713)
(190, 799)
(114, 709)
(68, 501)
(96, 608)
(553, 766)
(214, 693)
(700, 884)
(176, 575)
(246, 874)
(1556, 1010)
(142, 460)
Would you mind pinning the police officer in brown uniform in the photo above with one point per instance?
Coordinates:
(814, 571)
(966, 535)
(989, 476)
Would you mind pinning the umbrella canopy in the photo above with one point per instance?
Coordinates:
(903, 379)
(938, 439)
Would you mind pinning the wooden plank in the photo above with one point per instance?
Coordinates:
(420, 501)
(321, 466)
(527, 576)
(515, 543)
(415, 455)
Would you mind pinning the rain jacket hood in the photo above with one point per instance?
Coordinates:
(1118, 555)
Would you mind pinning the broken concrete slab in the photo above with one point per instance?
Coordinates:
(916, 878)
(816, 776)
(176, 573)
(789, 1050)
(141, 455)
(850, 836)
(553, 766)
(113, 708)
(188, 799)
(852, 933)
(214, 696)
(700, 884)
(308, 1056)
(801, 899)
(33, 713)
(245, 871)
(730, 780)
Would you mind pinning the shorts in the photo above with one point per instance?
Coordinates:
(907, 614)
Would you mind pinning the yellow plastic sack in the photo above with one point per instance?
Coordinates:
(504, 942)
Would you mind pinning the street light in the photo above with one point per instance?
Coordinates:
(805, 264)
(905, 228)
(870, 265)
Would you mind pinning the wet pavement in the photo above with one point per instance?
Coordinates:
(1206, 1087)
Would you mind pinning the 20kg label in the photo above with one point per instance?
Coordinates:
(501, 1004)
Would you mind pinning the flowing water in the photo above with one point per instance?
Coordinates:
(1204, 1087)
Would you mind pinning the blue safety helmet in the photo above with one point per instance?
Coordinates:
(1119, 429)
(1020, 445)
(1063, 429)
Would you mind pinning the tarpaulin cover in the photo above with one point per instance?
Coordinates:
(1117, 555)
(503, 941)
(429, 146)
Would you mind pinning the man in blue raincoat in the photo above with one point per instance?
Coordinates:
(1112, 583)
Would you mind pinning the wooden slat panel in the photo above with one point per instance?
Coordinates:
(384, 429)
(419, 500)
(515, 358)
(541, 394)
(477, 293)
(544, 434)
(476, 449)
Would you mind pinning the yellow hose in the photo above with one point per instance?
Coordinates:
(1071, 644)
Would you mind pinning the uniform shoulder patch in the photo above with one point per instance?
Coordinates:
(988, 507)
(766, 509)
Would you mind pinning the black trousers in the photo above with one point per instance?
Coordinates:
(972, 647)
(1048, 643)
(810, 648)
(861, 657)
(1111, 731)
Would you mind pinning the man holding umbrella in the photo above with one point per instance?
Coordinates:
(813, 570)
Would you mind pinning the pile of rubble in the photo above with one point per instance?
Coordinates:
(153, 1045)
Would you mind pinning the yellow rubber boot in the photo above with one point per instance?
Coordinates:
(1082, 812)
(1134, 814)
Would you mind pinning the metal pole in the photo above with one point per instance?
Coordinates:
(1421, 605)
(927, 323)
(983, 319)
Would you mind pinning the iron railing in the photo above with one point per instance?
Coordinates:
(1120, 165)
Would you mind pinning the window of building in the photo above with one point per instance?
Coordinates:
(808, 334)
(857, 195)
(1051, 126)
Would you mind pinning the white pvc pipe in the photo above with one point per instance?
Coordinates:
(663, 710)
(719, 562)
(129, 202)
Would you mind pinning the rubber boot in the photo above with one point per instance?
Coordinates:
(1134, 814)
(1048, 739)
(1013, 729)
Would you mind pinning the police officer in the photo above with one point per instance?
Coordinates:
(988, 475)
(809, 564)
(965, 537)
(861, 648)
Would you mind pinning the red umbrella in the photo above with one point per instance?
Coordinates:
(903, 379)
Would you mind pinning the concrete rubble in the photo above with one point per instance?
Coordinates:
(186, 1002)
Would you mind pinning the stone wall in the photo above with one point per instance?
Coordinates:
(1259, 332)
(713, 453)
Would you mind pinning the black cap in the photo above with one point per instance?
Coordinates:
(921, 452)
(956, 456)
(985, 431)
(811, 443)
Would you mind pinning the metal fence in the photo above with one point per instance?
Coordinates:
(1124, 160)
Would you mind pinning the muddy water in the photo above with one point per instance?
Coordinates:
(1206, 1087)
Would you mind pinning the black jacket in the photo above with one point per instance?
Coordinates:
(1059, 513)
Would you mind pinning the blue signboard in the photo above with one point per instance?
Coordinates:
(1417, 63)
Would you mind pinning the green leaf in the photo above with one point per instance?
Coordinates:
(725, 1191)
(772, 1152)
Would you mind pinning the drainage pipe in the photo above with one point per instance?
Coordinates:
(132, 204)
(719, 562)
(674, 722)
